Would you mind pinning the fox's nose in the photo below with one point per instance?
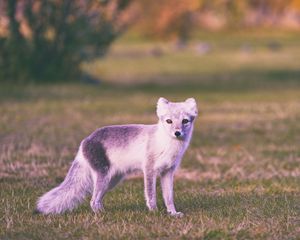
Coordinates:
(177, 134)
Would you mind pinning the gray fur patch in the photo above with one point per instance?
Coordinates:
(117, 136)
(94, 146)
(95, 153)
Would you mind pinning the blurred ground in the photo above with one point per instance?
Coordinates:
(214, 61)
(240, 177)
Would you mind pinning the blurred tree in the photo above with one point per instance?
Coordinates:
(48, 39)
(168, 19)
(269, 11)
(295, 4)
(177, 18)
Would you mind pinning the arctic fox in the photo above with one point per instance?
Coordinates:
(108, 154)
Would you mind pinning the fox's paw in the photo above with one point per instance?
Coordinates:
(176, 214)
(152, 209)
(151, 206)
(97, 207)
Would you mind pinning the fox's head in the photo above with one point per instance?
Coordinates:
(177, 118)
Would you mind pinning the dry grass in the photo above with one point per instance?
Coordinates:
(239, 179)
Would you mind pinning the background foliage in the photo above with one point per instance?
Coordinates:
(47, 40)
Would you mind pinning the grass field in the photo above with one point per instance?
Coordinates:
(240, 178)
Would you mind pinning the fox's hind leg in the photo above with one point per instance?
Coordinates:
(95, 154)
(117, 178)
(101, 186)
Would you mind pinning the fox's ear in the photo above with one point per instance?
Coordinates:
(191, 106)
(162, 107)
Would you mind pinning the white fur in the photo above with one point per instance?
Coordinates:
(169, 150)
(70, 192)
(162, 106)
(129, 158)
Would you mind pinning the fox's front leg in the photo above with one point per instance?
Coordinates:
(150, 188)
(167, 190)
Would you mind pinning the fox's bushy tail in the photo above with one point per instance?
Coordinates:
(69, 193)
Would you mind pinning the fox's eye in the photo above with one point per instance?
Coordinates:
(169, 121)
(185, 121)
